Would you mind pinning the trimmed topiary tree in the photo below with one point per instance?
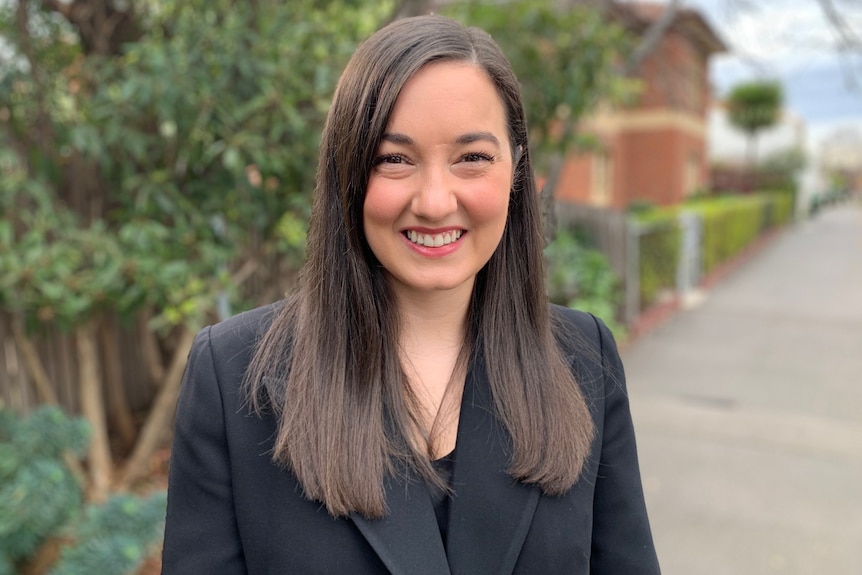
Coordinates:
(752, 107)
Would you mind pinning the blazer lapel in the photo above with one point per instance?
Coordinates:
(490, 513)
(407, 540)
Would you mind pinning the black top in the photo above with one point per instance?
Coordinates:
(444, 467)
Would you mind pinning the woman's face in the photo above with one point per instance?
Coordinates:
(438, 193)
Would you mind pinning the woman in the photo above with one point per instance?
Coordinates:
(416, 407)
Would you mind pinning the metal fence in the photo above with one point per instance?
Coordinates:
(622, 240)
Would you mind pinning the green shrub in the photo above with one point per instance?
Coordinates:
(658, 254)
(41, 499)
(115, 537)
(580, 277)
(38, 493)
(730, 223)
(783, 206)
(728, 227)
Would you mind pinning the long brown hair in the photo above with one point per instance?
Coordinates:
(329, 365)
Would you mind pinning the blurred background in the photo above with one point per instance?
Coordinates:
(700, 165)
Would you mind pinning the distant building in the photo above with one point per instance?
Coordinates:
(654, 151)
(840, 155)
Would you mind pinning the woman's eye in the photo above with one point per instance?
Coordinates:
(390, 159)
(477, 157)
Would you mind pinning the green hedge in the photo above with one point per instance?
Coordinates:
(658, 251)
(730, 224)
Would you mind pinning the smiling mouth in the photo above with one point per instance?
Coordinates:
(433, 240)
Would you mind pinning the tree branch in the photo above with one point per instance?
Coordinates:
(93, 409)
(847, 40)
(33, 365)
(160, 416)
(651, 39)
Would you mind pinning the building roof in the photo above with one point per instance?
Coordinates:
(639, 16)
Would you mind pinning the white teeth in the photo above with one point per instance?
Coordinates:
(436, 240)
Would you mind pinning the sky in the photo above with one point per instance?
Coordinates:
(791, 41)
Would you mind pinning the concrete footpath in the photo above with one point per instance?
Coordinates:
(748, 412)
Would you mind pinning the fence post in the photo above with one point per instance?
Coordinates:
(688, 270)
(633, 271)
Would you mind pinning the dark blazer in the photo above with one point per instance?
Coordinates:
(232, 511)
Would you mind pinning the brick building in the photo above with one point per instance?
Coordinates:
(654, 150)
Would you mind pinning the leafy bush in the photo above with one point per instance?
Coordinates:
(729, 225)
(38, 493)
(580, 277)
(41, 501)
(733, 222)
(783, 205)
(659, 245)
(115, 537)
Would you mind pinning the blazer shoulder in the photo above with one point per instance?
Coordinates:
(243, 329)
(230, 343)
(576, 331)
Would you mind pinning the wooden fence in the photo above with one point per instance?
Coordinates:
(605, 227)
(611, 233)
(57, 352)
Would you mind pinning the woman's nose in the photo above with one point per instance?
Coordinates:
(435, 197)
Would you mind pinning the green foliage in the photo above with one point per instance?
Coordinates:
(580, 277)
(565, 57)
(732, 223)
(753, 106)
(55, 269)
(40, 498)
(658, 253)
(783, 204)
(115, 537)
(728, 227)
(37, 491)
(149, 178)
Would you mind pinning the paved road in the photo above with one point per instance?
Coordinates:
(748, 411)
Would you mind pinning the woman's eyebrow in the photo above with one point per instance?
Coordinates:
(469, 138)
(477, 137)
(398, 139)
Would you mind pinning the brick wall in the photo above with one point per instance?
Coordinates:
(657, 148)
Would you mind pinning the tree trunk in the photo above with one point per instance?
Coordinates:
(119, 413)
(150, 349)
(750, 163)
(93, 409)
(33, 365)
(161, 414)
(547, 197)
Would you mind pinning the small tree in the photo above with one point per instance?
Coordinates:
(751, 107)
